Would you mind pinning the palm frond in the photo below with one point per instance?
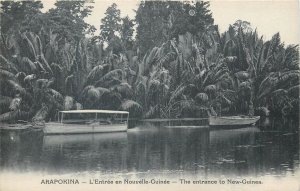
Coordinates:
(45, 64)
(69, 83)
(125, 89)
(169, 57)
(41, 114)
(130, 105)
(245, 85)
(57, 69)
(153, 84)
(262, 111)
(177, 93)
(15, 104)
(11, 115)
(270, 80)
(117, 73)
(187, 103)
(93, 94)
(151, 112)
(242, 75)
(4, 74)
(40, 66)
(210, 88)
(15, 86)
(5, 64)
(279, 92)
(95, 74)
(56, 94)
(294, 91)
(225, 99)
(78, 106)
(29, 78)
(289, 75)
(42, 83)
(230, 59)
(85, 90)
(30, 46)
(201, 97)
(102, 91)
(5, 102)
(68, 103)
(31, 67)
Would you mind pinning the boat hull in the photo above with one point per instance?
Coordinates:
(61, 128)
(233, 121)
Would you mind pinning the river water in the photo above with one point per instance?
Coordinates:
(268, 149)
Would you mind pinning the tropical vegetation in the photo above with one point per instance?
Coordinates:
(176, 63)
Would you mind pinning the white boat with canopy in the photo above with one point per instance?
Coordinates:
(88, 121)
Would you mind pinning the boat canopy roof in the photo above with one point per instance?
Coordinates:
(95, 111)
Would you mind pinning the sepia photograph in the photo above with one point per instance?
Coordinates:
(133, 95)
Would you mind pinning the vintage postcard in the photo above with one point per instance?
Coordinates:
(149, 95)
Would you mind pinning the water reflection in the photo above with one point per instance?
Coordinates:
(20, 151)
(270, 149)
(85, 152)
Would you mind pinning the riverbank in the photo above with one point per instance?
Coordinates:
(15, 126)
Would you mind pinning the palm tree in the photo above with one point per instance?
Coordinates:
(27, 77)
(260, 70)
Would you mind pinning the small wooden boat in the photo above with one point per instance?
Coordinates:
(88, 121)
(232, 120)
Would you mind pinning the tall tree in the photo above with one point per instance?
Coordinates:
(110, 23)
(20, 15)
(127, 32)
(67, 19)
(158, 21)
(151, 19)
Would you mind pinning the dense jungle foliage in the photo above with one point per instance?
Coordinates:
(170, 61)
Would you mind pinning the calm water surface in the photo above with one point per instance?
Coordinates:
(271, 148)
